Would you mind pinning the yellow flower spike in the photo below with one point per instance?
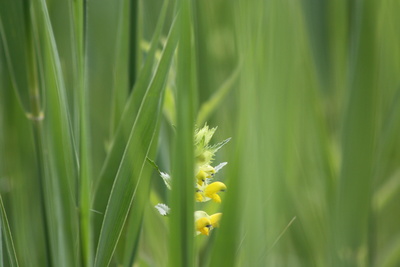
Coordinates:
(205, 157)
(205, 231)
(203, 225)
(203, 136)
(215, 198)
(201, 177)
(215, 188)
(212, 190)
(198, 197)
(209, 170)
(205, 172)
(215, 218)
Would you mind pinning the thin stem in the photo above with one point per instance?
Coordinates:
(84, 144)
(36, 116)
(134, 6)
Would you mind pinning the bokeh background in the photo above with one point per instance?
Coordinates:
(308, 90)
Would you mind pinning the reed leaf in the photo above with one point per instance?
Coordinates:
(131, 167)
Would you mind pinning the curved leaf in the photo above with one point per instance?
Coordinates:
(134, 157)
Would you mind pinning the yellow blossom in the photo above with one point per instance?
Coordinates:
(204, 172)
(215, 218)
(204, 223)
(212, 190)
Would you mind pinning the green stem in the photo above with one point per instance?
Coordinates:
(134, 13)
(84, 147)
(36, 116)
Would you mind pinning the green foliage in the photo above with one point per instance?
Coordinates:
(308, 90)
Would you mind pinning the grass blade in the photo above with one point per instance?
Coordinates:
(135, 221)
(5, 229)
(182, 202)
(209, 107)
(55, 145)
(121, 76)
(85, 164)
(1, 243)
(16, 45)
(130, 169)
(358, 143)
(104, 183)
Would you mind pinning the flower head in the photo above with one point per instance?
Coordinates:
(204, 153)
(205, 188)
(209, 191)
(204, 223)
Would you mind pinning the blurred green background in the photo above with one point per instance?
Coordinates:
(308, 90)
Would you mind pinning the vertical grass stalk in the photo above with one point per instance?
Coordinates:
(182, 215)
(36, 117)
(84, 136)
(358, 144)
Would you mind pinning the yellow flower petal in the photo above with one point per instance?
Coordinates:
(214, 188)
(203, 225)
(204, 231)
(209, 170)
(198, 197)
(201, 177)
(216, 198)
(215, 218)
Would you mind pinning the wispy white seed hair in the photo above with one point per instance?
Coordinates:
(163, 209)
(220, 166)
(167, 179)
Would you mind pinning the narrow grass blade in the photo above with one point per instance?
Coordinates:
(134, 62)
(85, 164)
(104, 183)
(227, 243)
(387, 192)
(9, 244)
(317, 18)
(135, 221)
(1, 244)
(358, 143)
(210, 106)
(16, 165)
(391, 254)
(388, 138)
(121, 86)
(134, 157)
(55, 145)
(15, 43)
(182, 200)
